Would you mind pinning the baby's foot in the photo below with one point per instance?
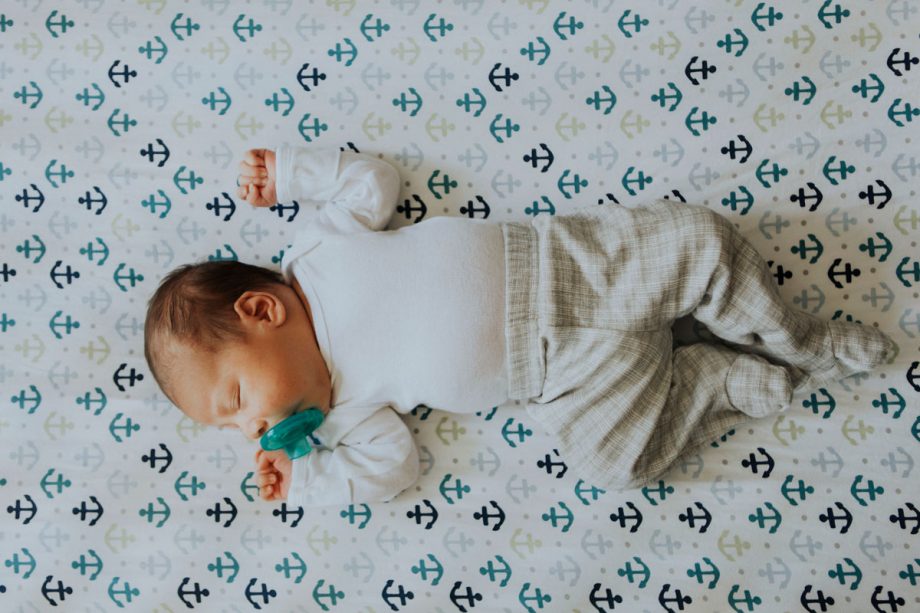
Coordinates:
(857, 348)
(759, 388)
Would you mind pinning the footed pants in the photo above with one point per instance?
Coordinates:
(589, 303)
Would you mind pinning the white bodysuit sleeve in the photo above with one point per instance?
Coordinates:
(359, 191)
(372, 460)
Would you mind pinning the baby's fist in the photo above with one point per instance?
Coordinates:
(257, 178)
(273, 474)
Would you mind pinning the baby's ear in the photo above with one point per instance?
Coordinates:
(261, 306)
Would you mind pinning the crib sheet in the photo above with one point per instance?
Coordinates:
(122, 123)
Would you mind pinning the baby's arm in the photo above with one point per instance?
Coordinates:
(257, 178)
(274, 474)
(360, 191)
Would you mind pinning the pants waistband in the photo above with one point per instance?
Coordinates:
(524, 359)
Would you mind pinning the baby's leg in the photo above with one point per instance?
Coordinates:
(739, 302)
(710, 385)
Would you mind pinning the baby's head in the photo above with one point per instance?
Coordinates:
(228, 344)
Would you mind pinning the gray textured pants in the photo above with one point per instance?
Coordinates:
(589, 303)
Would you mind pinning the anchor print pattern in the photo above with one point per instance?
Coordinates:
(122, 123)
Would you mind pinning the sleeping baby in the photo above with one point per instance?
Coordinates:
(569, 314)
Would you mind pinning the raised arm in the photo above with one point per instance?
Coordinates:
(370, 461)
(360, 190)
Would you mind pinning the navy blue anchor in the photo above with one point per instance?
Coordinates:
(69, 274)
(407, 208)
(609, 599)
(264, 594)
(88, 201)
(705, 69)
(803, 199)
(548, 465)
(620, 517)
(306, 78)
(150, 152)
(125, 74)
(402, 594)
(848, 272)
(19, 509)
(471, 210)
(507, 77)
(132, 378)
(754, 463)
(153, 459)
(418, 515)
(484, 516)
(27, 198)
(61, 590)
(821, 600)
(215, 206)
(83, 510)
(871, 195)
(679, 599)
(285, 510)
(535, 158)
(731, 149)
(829, 518)
(692, 519)
(218, 512)
(470, 596)
(198, 593)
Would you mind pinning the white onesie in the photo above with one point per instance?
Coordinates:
(408, 317)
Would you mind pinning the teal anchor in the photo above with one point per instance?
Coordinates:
(291, 434)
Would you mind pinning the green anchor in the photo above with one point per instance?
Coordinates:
(815, 405)
(797, 90)
(863, 89)
(84, 566)
(728, 43)
(132, 277)
(627, 182)
(63, 174)
(194, 486)
(180, 178)
(661, 491)
(151, 514)
(663, 98)
(760, 518)
(288, 569)
(59, 483)
(315, 128)
(870, 489)
(841, 575)
(699, 574)
(352, 515)
(220, 568)
(126, 123)
(553, 517)
(153, 204)
(705, 120)
(870, 246)
(842, 169)
(491, 571)
(458, 489)
(437, 570)
(87, 98)
(63, 23)
(801, 489)
(332, 595)
(733, 200)
(748, 600)
(885, 403)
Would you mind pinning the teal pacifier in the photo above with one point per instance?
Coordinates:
(291, 434)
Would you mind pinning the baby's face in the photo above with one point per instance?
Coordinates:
(255, 383)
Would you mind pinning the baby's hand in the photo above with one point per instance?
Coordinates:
(274, 474)
(257, 178)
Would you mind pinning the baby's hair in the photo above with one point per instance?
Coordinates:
(194, 305)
